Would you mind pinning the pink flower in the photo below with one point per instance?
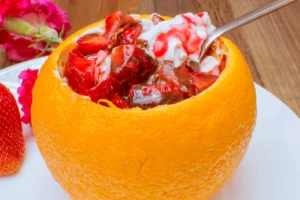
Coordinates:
(28, 78)
(30, 27)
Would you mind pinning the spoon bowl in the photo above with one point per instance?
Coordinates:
(245, 19)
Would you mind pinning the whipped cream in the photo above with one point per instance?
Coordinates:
(198, 26)
(208, 64)
(193, 27)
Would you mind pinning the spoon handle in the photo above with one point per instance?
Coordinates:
(244, 20)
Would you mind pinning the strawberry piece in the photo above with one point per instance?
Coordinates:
(157, 18)
(183, 75)
(79, 73)
(223, 63)
(115, 21)
(129, 35)
(102, 70)
(202, 80)
(130, 65)
(119, 101)
(102, 90)
(179, 77)
(91, 44)
(216, 71)
(147, 96)
(12, 145)
(167, 74)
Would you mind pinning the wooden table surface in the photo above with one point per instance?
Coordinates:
(271, 44)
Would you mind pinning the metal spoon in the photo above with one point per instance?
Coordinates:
(242, 21)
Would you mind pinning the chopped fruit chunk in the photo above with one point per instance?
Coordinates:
(12, 145)
(101, 91)
(104, 90)
(179, 77)
(102, 70)
(92, 44)
(156, 18)
(216, 71)
(183, 75)
(223, 63)
(167, 74)
(129, 35)
(144, 63)
(130, 65)
(115, 21)
(146, 96)
(126, 34)
(184, 78)
(79, 73)
(119, 101)
(202, 80)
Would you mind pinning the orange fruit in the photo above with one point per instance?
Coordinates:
(187, 150)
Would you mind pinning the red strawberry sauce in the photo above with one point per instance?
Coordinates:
(116, 65)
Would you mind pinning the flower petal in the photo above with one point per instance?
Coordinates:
(28, 78)
(37, 13)
(17, 47)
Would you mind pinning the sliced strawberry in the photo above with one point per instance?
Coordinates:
(115, 21)
(129, 35)
(102, 70)
(167, 74)
(12, 145)
(216, 71)
(183, 75)
(147, 96)
(92, 44)
(101, 91)
(156, 18)
(130, 65)
(186, 84)
(104, 90)
(115, 39)
(223, 63)
(189, 68)
(202, 80)
(118, 101)
(79, 73)
(179, 77)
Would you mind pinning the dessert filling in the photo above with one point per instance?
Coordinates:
(135, 62)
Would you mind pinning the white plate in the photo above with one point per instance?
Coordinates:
(270, 169)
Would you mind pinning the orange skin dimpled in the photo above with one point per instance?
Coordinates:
(183, 151)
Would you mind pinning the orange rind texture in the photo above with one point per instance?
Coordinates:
(183, 151)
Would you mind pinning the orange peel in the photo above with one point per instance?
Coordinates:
(186, 150)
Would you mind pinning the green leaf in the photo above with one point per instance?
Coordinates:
(62, 31)
(19, 27)
(47, 33)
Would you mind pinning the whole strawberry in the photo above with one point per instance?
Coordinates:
(11, 138)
